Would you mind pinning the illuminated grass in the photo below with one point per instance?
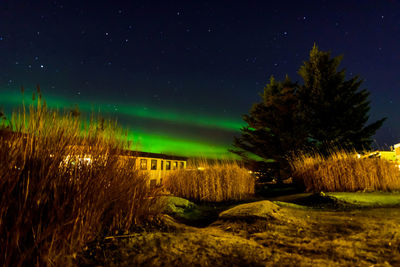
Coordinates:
(343, 171)
(52, 204)
(211, 181)
(372, 199)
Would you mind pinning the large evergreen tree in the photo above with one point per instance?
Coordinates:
(274, 128)
(335, 109)
(326, 110)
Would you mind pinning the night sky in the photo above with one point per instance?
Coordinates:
(179, 75)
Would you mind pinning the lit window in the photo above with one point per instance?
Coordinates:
(143, 164)
(168, 165)
(154, 164)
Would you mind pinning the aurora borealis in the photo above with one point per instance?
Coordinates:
(179, 75)
(152, 126)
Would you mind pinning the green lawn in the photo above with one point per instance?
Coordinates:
(372, 199)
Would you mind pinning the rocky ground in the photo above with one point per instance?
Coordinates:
(261, 233)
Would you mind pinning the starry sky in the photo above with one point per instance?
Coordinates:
(180, 74)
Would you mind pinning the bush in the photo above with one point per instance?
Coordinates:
(52, 200)
(344, 171)
(211, 181)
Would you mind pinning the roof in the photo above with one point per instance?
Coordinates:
(152, 155)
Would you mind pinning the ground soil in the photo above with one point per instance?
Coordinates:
(291, 236)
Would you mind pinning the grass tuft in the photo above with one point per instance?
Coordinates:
(343, 171)
(52, 200)
(211, 181)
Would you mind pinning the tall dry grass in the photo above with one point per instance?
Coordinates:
(52, 204)
(343, 171)
(211, 181)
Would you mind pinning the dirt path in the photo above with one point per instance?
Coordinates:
(292, 237)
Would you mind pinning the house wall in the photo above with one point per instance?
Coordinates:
(397, 151)
(158, 168)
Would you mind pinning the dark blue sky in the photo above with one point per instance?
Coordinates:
(185, 62)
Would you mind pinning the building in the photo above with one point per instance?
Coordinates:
(158, 165)
(397, 151)
(393, 155)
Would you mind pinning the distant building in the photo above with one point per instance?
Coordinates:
(397, 151)
(158, 165)
(391, 155)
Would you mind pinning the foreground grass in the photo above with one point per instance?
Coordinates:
(62, 185)
(211, 181)
(343, 171)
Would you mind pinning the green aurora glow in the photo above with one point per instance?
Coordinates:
(134, 111)
(143, 139)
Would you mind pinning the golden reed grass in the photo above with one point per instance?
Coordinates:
(343, 171)
(52, 204)
(211, 181)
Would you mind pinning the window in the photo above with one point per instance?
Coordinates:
(143, 164)
(181, 165)
(175, 165)
(168, 165)
(162, 165)
(154, 164)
